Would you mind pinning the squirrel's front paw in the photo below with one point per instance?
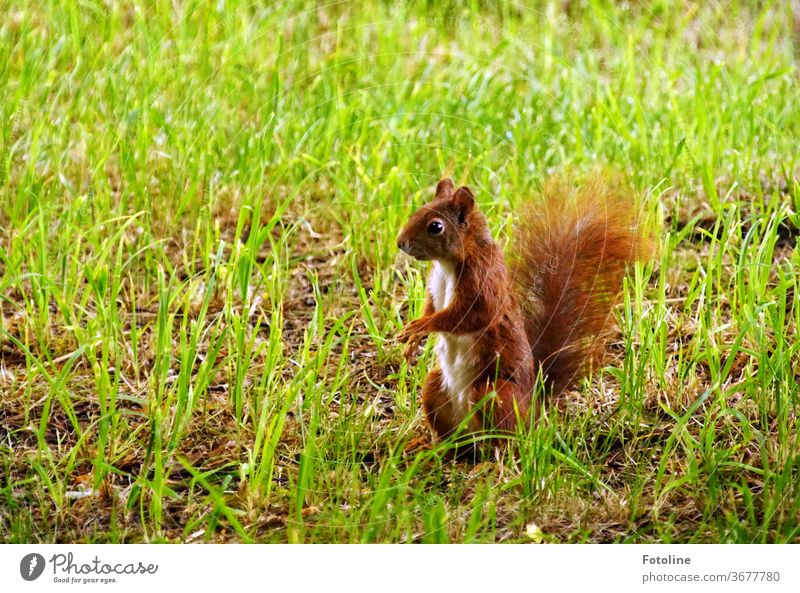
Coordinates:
(410, 332)
(412, 335)
(412, 348)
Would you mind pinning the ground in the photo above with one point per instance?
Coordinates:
(200, 291)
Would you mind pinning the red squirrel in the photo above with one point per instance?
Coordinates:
(549, 311)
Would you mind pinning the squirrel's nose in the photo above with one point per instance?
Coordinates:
(402, 245)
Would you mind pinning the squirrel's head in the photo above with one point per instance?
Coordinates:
(441, 228)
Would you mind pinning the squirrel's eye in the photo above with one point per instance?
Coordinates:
(435, 227)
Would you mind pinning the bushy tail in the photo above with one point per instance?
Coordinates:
(568, 261)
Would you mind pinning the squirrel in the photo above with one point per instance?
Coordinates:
(499, 326)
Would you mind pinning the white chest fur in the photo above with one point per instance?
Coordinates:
(442, 284)
(457, 354)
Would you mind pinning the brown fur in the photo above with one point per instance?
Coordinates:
(551, 313)
(569, 258)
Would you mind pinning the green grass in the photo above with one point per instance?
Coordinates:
(200, 289)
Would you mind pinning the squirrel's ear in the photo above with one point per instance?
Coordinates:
(465, 201)
(445, 189)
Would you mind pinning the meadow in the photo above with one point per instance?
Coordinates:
(200, 290)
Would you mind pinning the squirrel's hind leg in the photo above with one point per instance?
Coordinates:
(438, 408)
(500, 405)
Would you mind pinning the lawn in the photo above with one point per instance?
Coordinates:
(200, 290)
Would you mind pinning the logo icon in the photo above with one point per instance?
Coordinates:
(31, 566)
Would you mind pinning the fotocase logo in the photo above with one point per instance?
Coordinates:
(31, 566)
